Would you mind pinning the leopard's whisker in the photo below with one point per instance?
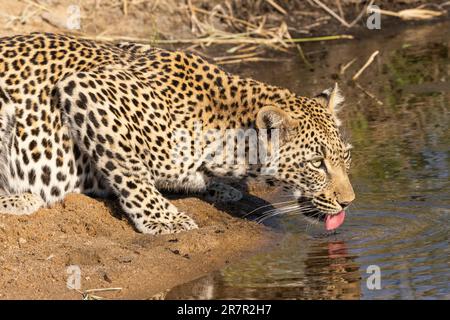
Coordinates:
(286, 212)
(278, 210)
(273, 212)
(267, 205)
(273, 215)
(297, 207)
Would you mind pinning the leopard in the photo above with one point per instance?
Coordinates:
(100, 118)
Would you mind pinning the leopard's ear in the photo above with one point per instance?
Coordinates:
(331, 99)
(271, 117)
(277, 122)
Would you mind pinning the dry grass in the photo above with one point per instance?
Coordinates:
(89, 294)
(248, 28)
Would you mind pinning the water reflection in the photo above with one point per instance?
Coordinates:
(401, 162)
(327, 271)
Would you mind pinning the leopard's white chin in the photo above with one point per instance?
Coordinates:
(297, 194)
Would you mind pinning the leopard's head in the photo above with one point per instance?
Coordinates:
(313, 160)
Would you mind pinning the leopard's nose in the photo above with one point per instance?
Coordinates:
(344, 205)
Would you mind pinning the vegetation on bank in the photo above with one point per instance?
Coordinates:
(248, 30)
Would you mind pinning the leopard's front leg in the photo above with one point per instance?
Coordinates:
(90, 121)
(147, 208)
(130, 180)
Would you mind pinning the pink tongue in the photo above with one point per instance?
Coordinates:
(334, 221)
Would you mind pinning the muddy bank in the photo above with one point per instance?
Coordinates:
(36, 250)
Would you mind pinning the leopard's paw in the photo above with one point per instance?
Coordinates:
(180, 223)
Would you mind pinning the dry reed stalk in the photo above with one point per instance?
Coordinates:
(364, 67)
(341, 11)
(229, 39)
(332, 13)
(276, 6)
(347, 65)
(370, 95)
(250, 40)
(319, 21)
(237, 56)
(411, 14)
(253, 59)
(242, 48)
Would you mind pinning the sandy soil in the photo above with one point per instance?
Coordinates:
(36, 250)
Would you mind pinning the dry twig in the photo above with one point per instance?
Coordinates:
(370, 95)
(364, 67)
(347, 65)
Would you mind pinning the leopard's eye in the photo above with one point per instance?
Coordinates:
(318, 163)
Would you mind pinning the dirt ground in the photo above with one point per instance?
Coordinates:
(37, 251)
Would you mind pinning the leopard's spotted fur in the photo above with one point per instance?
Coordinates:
(99, 118)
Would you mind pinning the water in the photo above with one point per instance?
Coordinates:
(401, 161)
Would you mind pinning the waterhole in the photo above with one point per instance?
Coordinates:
(397, 119)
